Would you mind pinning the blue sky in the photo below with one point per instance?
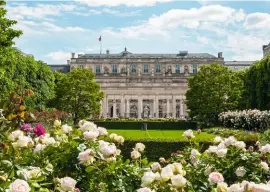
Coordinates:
(54, 29)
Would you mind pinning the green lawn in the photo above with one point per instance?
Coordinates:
(161, 135)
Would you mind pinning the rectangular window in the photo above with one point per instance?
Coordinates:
(158, 68)
(81, 66)
(114, 69)
(133, 68)
(97, 68)
(177, 68)
(145, 68)
(195, 68)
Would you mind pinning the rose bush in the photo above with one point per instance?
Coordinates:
(67, 159)
(246, 119)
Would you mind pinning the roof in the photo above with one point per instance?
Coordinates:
(239, 63)
(126, 54)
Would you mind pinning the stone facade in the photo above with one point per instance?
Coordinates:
(266, 50)
(60, 68)
(144, 85)
(238, 65)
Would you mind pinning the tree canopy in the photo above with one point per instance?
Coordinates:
(79, 94)
(257, 85)
(212, 90)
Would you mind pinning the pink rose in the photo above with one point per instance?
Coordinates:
(215, 177)
(39, 130)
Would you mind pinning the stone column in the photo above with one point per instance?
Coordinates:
(173, 107)
(122, 112)
(181, 108)
(127, 108)
(157, 107)
(104, 114)
(139, 107)
(101, 109)
(114, 109)
(168, 108)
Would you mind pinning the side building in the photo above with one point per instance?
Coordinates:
(266, 50)
(144, 85)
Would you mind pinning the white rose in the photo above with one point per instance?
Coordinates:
(211, 149)
(19, 186)
(155, 167)
(221, 152)
(135, 154)
(240, 171)
(67, 184)
(102, 131)
(259, 187)
(15, 135)
(218, 139)
(162, 160)
(188, 134)
(30, 173)
(120, 139)
(47, 140)
(39, 147)
(113, 136)
(66, 128)
(90, 135)
(235, 188)
(86, 156)
(177, 168)
(140, 147)
(57, 123)
(81, 122)
(23, 141)
(148, 178)
(194, 153)
(265, 166)
(229, 141)
(215, 177)
(145, 189)
(240, 145)
(178, 181)
(89, 126)
(265, 149)
(166, 173)
(108, 150)
(222, 187)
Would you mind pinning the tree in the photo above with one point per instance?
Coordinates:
(214, 89)
(7, 34)
(257, 85)
(79, 94)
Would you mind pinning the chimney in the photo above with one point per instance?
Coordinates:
(220, 55)
(108, 51)
(72, 55)
(68, 62)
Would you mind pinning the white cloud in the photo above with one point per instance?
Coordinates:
(203, 40)
(52, 27)
(129, 3)
(257, 21)
(192, 18)
(40, 11)
(59, 56)
(108, 11)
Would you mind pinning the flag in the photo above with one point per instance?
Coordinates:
(99, 38)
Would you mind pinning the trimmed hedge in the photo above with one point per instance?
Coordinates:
(156, 149)
(134, 125)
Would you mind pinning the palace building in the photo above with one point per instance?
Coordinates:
(144, 85)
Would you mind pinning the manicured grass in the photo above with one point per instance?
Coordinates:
(168, 135)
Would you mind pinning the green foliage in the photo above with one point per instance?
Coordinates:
(156, 149)
(7, 34)
(79, 94)
(257, 86)
(151, 125)
(242, 135)
(212, 90)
